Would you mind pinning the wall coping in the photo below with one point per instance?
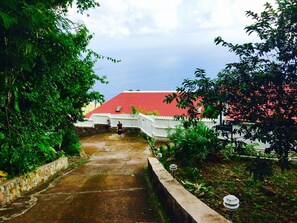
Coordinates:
(181, 205)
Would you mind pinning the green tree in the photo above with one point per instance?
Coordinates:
(46, 75)
(261, 88)
(201, 91)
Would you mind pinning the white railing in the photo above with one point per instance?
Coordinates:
(154, 126)
(126, 120)
(145, 123)
(210, 123)
(86, 123)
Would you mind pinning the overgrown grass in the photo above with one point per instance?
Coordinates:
(273, 201)
(154, 201)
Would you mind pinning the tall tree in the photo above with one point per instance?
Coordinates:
(46, 75)
(262, 87)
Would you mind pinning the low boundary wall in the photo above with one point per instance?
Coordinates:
(181, 205)
(99, 128)
(16, 187)
(153, 126)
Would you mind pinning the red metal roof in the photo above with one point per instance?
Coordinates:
(142, 100)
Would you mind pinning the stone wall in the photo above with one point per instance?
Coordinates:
(99, 128)
(88, 131)
(180, 204)
(16, 187)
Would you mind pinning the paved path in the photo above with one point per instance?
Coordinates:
(111, 187)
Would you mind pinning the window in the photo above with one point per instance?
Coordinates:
(118, 108)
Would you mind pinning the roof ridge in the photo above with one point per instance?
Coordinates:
(148, 91)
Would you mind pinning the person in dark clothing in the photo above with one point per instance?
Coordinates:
(108, 125)
(120, 129)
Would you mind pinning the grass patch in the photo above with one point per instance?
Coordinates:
(272, 201)
(154, 200)
(75, 161)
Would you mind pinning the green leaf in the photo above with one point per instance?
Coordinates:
(16, 103)
(2, 136)
(7, 20)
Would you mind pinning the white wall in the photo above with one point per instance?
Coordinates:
(154, 126)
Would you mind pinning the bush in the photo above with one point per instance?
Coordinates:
(29, 150)
(195, 142)
(247, 149)
(167, 150)
(70, 142)
(260, 168)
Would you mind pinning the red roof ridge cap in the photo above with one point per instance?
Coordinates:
(148, 91)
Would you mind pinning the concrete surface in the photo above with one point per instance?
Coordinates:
(110, 187)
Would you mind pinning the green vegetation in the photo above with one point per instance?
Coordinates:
(261, 88)
(260, 168)
(135, 110)
(46, 75)
(154, 200)
(194, 143)
(263, 197)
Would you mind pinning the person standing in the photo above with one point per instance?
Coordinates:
(108, 124)
(120, 129)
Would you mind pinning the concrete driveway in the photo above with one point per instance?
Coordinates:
(110, 187)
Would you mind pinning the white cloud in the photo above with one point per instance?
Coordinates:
(221, 13)
(164, 14)
(127, 18)
(131, 16)
(146, 31)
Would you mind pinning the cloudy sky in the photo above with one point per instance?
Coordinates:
(162, 42)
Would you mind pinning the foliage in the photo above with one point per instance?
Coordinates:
(242, 148)
(46, 75)
(259, 200)
(193, 172)
(134, 110)
(264, 81)
(194, 143)
(261, 88)
(151, 140)
(255, 204)
(260, 168)
(70, 142)
(198, 189)
(197, 92)
(138, 110)
(168, 151)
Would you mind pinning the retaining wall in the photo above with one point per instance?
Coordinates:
(99, 128)
(16, 187)
(180, 204)
(88, 131)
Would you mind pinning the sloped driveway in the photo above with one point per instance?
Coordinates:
(110, 187)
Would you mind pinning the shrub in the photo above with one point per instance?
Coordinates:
(70, 142)
(47, 153)
(195, 142)
(28, 151)
(260, 168)
(243, 148)
(167, 150)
